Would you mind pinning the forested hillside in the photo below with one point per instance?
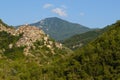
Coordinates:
(80, 40)
(24, 52)
(98, 60)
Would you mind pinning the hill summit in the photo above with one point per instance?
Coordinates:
(60, 29)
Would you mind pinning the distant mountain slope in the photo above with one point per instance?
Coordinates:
(60, 29)
(80, 40)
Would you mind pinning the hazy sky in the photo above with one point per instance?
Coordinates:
(90, 13)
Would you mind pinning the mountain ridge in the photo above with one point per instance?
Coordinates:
(60, 29)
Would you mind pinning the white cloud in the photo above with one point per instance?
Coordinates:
(59, 11)
(82, 14)
(47, 5)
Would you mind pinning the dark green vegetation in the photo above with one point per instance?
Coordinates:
(44, 55)
(98, 60)
(101, 58)
(6, 40)
(80, 40)
(60, 29)
(14, 65)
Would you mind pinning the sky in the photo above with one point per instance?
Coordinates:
(90, 13)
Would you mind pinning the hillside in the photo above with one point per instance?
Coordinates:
(99, 60)
(60, 29)
(24, 52)
(80, 40)
(25, 56)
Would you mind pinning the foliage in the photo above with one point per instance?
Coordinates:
(98, 60)
(46, 54)
(7, 39)
(81, 40)
(14, 53)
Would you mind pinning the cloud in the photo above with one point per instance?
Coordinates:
(59, 11)
(47, 5)
(82, 14)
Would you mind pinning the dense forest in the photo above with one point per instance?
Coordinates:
(98, 60)
(80, 40)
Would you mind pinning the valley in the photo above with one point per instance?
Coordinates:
(28, 53)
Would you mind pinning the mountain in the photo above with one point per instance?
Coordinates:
(60, 29)
(98, 60)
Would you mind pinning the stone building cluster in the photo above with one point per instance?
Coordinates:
(30, 34)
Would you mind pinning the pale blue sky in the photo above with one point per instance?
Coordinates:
(91, 13)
